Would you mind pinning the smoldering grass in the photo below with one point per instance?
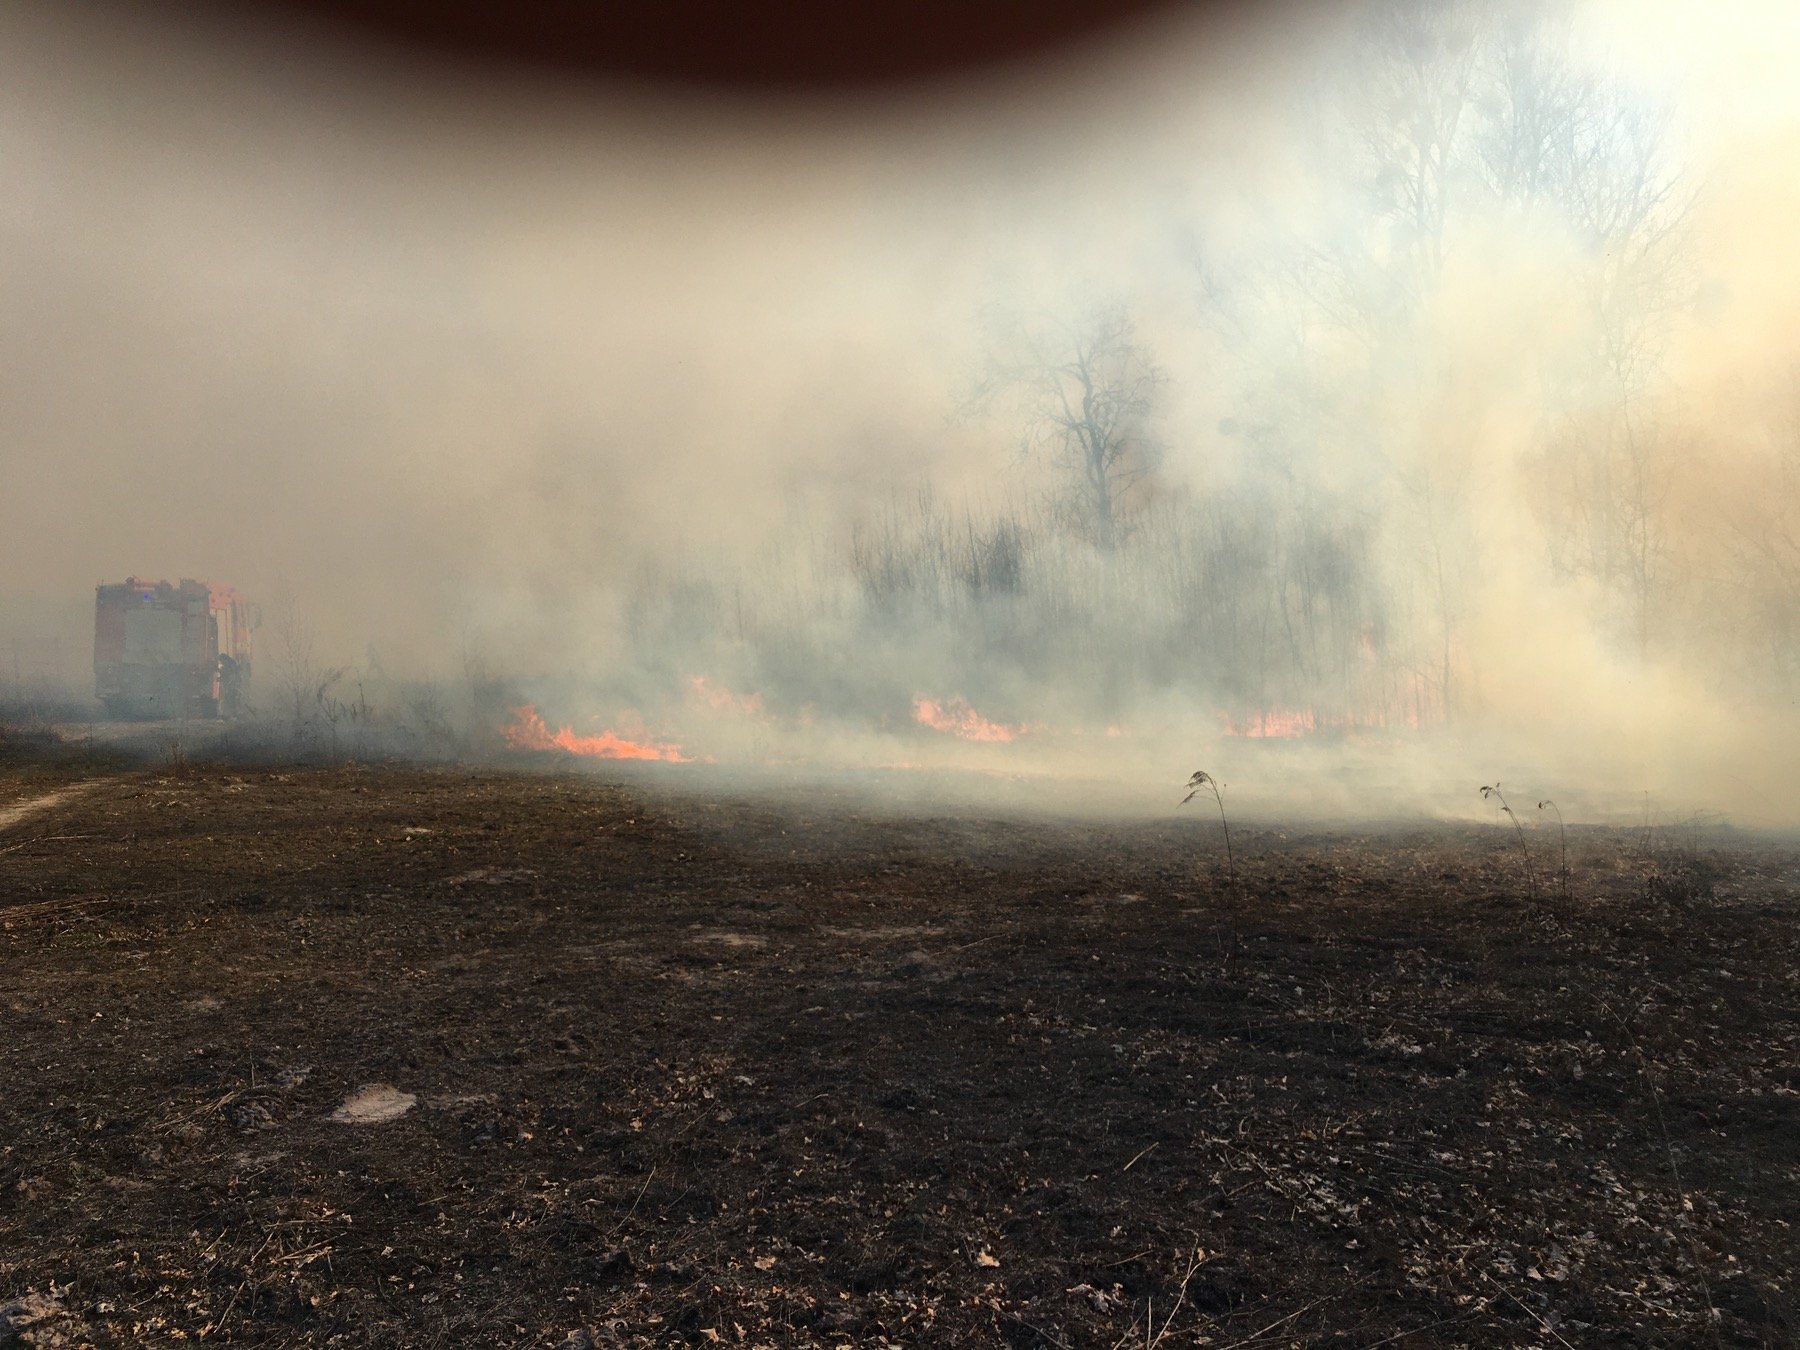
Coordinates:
(1675, 872)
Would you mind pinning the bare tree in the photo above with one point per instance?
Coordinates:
(1466, 113)
(1593, 154)
(1755, 604)
(1085, 390)
(1422, 68)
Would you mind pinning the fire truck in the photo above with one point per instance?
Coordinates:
(164, 650)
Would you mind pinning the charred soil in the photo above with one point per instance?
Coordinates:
(345, 1056)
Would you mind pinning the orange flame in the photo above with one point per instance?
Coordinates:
(957, 718)
(527, 732)
(1295, 723)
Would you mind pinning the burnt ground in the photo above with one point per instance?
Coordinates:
(802, 1072)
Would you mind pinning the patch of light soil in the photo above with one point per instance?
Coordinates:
(12, 815)
(728, 939)
(374, 1104)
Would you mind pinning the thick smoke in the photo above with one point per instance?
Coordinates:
(1362, 403)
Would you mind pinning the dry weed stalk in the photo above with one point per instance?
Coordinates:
(1154, 1334)
(1493, 791)
(1562, 838)
(1203, 779)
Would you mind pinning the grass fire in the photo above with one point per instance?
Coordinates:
(527, 731)
(607, 624)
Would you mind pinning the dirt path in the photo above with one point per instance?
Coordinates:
(12, 815)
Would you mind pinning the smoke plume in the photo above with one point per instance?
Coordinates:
(1361, 402)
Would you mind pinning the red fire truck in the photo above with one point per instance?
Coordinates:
(164, 650)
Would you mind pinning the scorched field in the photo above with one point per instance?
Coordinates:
(390, 1057)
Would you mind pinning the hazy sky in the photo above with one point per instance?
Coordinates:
(1734, 63)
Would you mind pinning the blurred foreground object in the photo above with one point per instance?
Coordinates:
(801, 44)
